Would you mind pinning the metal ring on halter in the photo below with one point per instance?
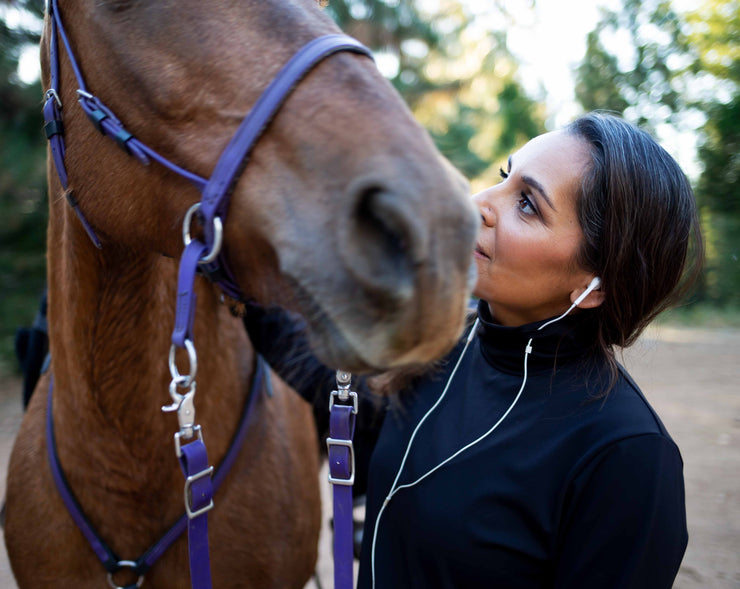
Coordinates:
(184, 380)
(125, 564)
(218, 234)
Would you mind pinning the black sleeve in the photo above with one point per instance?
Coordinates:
(626, 524)
(279, 336)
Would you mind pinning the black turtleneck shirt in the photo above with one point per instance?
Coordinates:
(572, 489)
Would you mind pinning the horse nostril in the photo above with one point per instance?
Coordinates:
(384, 241)
(379, 220)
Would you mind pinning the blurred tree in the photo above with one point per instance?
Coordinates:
(459, 79)
(631, 64)
(598, 85)
(660, 69)
(22, 178)
(714, 32)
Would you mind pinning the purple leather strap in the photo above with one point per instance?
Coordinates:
(341, 473)
(99, 114)
(235, 156)
(101, 550)
(54, 127)
(186, 299)
(236, 153)
(199, 499)
(260, 382)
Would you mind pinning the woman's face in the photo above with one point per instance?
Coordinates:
(530, 235)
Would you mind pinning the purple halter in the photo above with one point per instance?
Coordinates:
(198, 257)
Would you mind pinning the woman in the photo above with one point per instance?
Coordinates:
(529, 458)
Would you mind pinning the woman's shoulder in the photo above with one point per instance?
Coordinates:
(630, 409)
(619, 419)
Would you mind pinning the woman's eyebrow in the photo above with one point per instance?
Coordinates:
(529, 181)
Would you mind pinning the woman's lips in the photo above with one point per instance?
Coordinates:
(479, 253)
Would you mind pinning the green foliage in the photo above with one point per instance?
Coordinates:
(679, 64)
(598, 77)
(23, 208)
(718, 189)
(519, 120)
(454, 140)
(475, 113)
(714, 29)
(632, 62)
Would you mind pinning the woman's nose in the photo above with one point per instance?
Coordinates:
(483, 201)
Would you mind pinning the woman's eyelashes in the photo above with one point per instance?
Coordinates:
(525, 205)
(524, 202)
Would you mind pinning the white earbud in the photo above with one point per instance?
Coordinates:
(593, 285)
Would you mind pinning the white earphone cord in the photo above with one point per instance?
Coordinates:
(394, 488)
(595, 283)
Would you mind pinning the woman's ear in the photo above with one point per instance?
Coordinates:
(588, 296)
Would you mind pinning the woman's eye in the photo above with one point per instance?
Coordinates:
(525, 205)
(503, 174)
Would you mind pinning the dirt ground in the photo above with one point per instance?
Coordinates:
(691, 377)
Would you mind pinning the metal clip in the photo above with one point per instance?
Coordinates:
(343, 394)
(52, 93)
(186, 413)
(344, 380)
(185, 407)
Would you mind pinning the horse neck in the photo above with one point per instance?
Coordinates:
(111, 314)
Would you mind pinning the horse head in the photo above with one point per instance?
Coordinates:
(345, 210)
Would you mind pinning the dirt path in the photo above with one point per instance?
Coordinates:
(692, 378)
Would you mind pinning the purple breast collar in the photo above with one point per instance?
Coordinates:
(112, 563)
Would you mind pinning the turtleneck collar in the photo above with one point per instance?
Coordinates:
(571, 338)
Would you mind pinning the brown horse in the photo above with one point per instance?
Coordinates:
(345, 211)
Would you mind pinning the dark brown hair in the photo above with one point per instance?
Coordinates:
(640, 225)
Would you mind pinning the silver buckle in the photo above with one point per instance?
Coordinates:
(188, 482)
(347, 444)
